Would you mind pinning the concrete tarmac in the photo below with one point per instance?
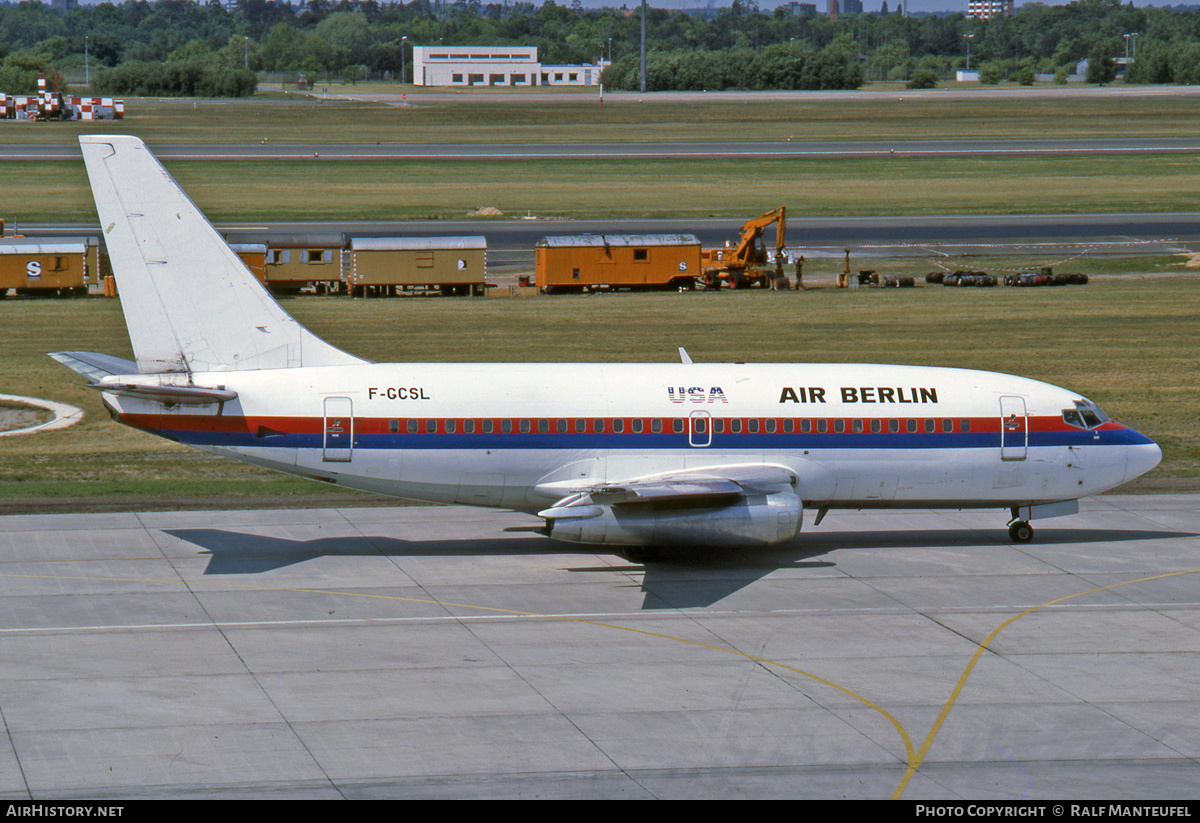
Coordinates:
(444, 653)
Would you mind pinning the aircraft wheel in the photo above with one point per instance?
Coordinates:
(1020, 532)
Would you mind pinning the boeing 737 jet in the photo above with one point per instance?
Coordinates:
(628, 456)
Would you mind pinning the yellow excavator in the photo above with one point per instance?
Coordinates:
(740, 266)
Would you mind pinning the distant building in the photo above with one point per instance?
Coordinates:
(852, 7)
(986, 9)
(496, 66)
(802, 9)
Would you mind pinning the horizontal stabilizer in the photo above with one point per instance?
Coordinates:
(169, 395)
(93, 365)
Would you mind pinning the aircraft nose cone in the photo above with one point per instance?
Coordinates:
(1141, 459)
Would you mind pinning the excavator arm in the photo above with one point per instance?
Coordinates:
(732, 263)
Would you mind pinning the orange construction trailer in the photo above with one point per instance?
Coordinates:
(605, 262)
(48, 266)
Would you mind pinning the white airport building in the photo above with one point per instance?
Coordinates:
(496, 66)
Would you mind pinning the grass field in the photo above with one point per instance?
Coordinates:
(1127, 342)
(314, 189)
(438, 116)
(323, 189)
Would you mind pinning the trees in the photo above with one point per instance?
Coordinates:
(738, 46)
(1101, 67)
(923, 79)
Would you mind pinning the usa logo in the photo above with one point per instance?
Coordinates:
(696, 394)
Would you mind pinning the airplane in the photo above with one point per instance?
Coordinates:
(636, 457)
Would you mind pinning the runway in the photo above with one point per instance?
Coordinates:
(920, 236)
(433, 652)
(607, 150)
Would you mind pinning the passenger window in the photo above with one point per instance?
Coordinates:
(912, 424)
(449, 427)
(598, 426)
(964, 425)
(506, 426)
(839, 425)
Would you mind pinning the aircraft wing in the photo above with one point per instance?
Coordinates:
(714, 487)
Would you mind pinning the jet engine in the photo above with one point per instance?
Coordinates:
(745, 519)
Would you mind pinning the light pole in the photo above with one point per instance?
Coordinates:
(87, 72)
(402, 41)
(1133, 35)
(968, 36)
(246, 55)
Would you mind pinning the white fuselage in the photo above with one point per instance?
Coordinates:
(520, 436)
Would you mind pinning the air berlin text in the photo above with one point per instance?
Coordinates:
(861, 394)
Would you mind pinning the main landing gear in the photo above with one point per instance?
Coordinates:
(1020, 531)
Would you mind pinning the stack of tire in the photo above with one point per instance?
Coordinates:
(1026, 279)
(961, 278)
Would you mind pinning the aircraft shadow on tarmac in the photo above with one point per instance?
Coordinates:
(677, 578)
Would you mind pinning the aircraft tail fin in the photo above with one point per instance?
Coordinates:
(190, 303)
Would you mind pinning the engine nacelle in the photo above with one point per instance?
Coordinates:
(756, 520)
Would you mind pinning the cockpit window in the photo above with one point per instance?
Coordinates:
(1085, 415)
